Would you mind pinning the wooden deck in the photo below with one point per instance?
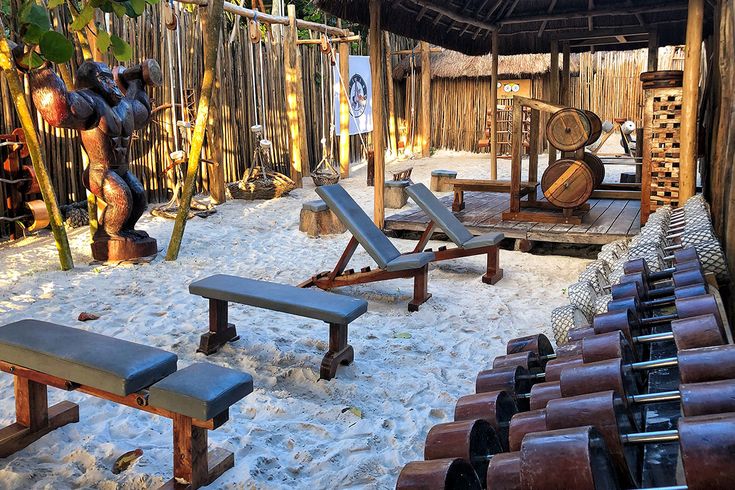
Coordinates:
(607, 220)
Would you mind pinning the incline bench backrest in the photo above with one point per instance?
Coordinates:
(444, 218)
(360, 225)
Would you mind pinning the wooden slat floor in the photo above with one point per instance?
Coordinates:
(607, 220)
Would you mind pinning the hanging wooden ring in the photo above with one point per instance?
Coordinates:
(170, 18)
(324, 45)
(254, 30)
(40, 215)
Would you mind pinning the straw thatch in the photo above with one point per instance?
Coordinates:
(452, 64)
(524, 27)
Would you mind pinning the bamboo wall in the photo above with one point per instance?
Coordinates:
(234, 106)
(607, 84)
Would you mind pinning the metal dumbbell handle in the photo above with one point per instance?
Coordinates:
(651, 437)
(664, 396)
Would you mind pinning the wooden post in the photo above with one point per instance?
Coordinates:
(494, 110)
(392, 127)
(190, 452)
(376, 62)
(690, 99)
(216, 171)
(344, 110)
(652, 50)
(566, 95)
(533, 140)
(425, 100)
(554, 87)
(516, 151)
(294, 99)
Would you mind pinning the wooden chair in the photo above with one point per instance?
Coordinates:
(391, 263)
(197, 398)
(467, 244)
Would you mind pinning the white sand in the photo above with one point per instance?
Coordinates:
(292, 431)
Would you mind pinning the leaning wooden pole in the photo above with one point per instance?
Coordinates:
(554, 87)
(376, 62)
(690, 100)
(425, 100)
(210, 23)
(7, 66)
(392, 128)
(493, 110)
(344, 110)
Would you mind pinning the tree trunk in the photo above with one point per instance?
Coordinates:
(211, 22)
(26, 120)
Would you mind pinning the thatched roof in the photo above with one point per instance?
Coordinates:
(526, 26)
(451, 64)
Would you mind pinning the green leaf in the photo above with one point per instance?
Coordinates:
(152, 2)
(84, 18)
(31, 60)
(356, 412)
(138, 6)
(55, 47)
(97, 3)
(32, 34)
(118, 8)
(120, 49)
(103, 40)
(35, 15)
(402, 335)
(52, 4)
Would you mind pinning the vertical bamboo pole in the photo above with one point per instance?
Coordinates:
(294, 99)
(376, 61)
(690, 99)
(494, 110)
(653, 50)
(210, 25)
(344, 110)
(554, 87)
(425, 100)
(216, 172)
(565, 95)
(392, 140)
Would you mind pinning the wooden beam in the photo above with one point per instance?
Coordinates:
(333, 40)
(392, 127)
(565, 96)
(294, 98)
(414, 51)
(425, 100)
(265, 18)
(452, 14)
(653, 50)
(690, 100)
(375, 40)
(494, 110)
(344, 111)
(598, 12)
(554, 87)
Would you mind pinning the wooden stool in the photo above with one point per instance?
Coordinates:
(440, 180)
(395, 194)
(316, 219)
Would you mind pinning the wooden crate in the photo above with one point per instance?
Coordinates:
(661, 142)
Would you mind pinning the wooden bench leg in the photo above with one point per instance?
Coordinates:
(458, 203)
(494, 272)
(420, 292)
(34, 418)
(220, 332)
(194, 467)
(340, 352)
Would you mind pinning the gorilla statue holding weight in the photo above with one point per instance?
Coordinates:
(105, 107)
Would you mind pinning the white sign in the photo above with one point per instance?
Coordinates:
(359, 95)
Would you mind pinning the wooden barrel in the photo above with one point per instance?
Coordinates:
(596, 166)
(596, 124)
(569, 129)
(568, 183)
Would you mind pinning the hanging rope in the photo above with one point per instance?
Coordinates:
(326, 171)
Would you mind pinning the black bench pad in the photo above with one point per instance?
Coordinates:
(310, 303)
(200, 391)
(106, 363)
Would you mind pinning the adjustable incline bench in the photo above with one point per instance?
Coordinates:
(467, 244)
(335, 309)
(391, 263)
(197, 398)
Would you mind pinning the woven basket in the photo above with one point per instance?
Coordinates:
(324, 178)
(255, 187)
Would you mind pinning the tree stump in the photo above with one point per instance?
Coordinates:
(440, 180)
(316, 219)
(395, 194)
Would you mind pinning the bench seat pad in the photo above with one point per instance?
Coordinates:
(311, 303)
(200, 391)
(410, 261)
(485, 240)
(106, 363)
(316, 206)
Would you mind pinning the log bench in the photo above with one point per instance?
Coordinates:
(197, 398)
(479, 185)
(334, 309)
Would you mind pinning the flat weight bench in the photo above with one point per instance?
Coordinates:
(336, 310)
(197, 398)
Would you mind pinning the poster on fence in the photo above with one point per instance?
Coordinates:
(359, 95)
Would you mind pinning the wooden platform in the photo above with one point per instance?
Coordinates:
(607, 220)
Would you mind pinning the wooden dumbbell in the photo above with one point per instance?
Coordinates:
(438, 474)
(495, 407)
(149, 72)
